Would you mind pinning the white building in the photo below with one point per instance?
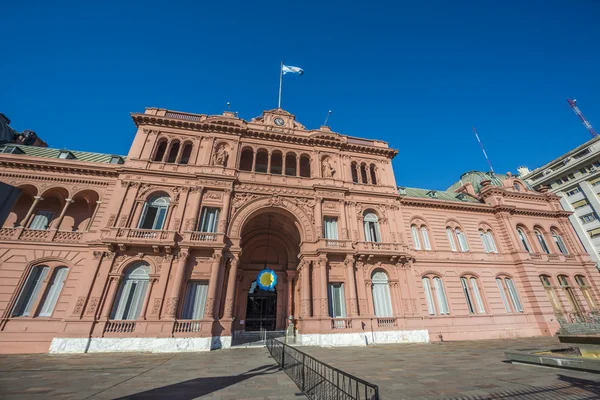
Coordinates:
(575, 176)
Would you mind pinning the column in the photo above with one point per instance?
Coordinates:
(352, 299)
(113, 285)
(324, 312)
(178, 281)
(89, 224)
(343, 219)
(319, 217)
(137, 212)
(358, 176)
(297, 165)
(304, 270)
(283, 158)
(25, 221)
(151, 283)
(209, 310)
(192, 222)
(290, 293)
(57, 222)
(224, 217)
(253, 160)
(269, 162)
(363, 309)
(231, 285)
(368, 171)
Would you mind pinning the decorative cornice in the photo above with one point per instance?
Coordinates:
(39, 165)
(55, 179)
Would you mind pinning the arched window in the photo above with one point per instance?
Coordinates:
(487, 238)
(425, 235)
(550, 293)
(354, 170)
(363, 173)
(160, 150)
(435, 296)
(586, 290)
(290, 164)
(155, 212)
(381, 294)
(472, 295)
(276, 162)
(559, 242)
(305, 166)
(185, 155)
(540, 238)
(371, 225)
(173, 152)
(415, 236)
(523, 239)
(132, 293)
(246, 159)
(37, 294)
(451, 239)
(262, 159)
(564, 283)
(373, 174)
(507, 289)
(462, 240)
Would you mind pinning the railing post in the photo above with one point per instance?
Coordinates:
(303, 374)
(283, 356)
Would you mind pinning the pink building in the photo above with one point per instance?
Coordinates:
(160, 251)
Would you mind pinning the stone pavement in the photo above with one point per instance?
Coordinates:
(473, 370)
(224, 374)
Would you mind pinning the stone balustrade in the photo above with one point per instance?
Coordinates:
(119, 327)
(41, 235)
(341, 323)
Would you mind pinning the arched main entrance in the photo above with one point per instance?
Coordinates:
(269, 239)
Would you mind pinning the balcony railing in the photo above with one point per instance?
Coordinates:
(119, 327)
(336, 244)
(341, 323)
(68, 237)
(380, 246)
(187, 326)
(386, 322)
(139, 235)
(202, 237)
(40, 235)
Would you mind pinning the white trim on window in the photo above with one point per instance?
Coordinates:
(451, 239)
(425, 234)
(30, 292)
(337, 302)
(440, 295)
(330, 228)
(381, 294)
(415, 237)
(53, 291)
(514, 296)
(132, 293)
(462, 240)
(503, 295)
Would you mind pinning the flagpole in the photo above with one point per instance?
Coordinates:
(280, 82)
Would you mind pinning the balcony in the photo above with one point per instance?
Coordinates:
(336, 245)
(203, 239)
(341, 323)
(139, 236)
(386, 322)
(41, 235)
(119, 327)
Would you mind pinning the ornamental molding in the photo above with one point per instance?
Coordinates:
(274, 189)
(26, 179)
(43, 165)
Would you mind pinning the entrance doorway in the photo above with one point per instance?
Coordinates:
(261, 309)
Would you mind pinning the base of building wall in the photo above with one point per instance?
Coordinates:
(362, 338)
(145, 345)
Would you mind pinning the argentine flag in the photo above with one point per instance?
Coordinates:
(292, 70)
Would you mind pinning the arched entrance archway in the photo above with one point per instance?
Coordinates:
(269, 239)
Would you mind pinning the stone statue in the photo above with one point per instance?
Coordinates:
(328, 170)
(220, 157)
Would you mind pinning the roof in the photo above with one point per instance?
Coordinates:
(439, 195)
(46, 152)
(476, 177)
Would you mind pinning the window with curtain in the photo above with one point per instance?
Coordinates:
(155, 213)
(425, 235)
(451, 239)
(509, 295)
(586, 291)
(371, 225)
(514, 296)
(381, 294)
(472, 295)
(550, 293)
(462, 240)
(195, 300)
(330, 228)
(566, 286)
(209, 219)
(415, 237)
(435, 296)
(542, 242)
(132, 293)
(523, 239)
(559, 242)
(487, 238)
(337, 302)
(30, 292)
(41, 220)
(53, 291)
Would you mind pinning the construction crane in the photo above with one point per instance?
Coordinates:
(588, 126)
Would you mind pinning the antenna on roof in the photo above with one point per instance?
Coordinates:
(483, 150)
(327, 118)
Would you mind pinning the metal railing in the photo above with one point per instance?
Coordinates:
(318, 380)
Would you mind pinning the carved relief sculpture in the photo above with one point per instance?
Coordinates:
(221, 156)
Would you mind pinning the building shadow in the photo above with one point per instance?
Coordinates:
(197, 387)
(568, 387)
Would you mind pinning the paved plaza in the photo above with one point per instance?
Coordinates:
(473, 370)
(469, 370)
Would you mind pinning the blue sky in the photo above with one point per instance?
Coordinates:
(417, 74)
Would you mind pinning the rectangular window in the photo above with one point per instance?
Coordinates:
(477, 296)
(414, 231)
(582, 153)
(503, 295)
(465, 286)
(580, 203)
(428, 296)
(587, 218)
(195, 300)
(330, 228)
(572, 192)
(594, 232)
(440, 296)
(41, 220)
(426, 243)
(337, 303)
(514, 296)
(209, 219)
(451, 239)
(559, 182)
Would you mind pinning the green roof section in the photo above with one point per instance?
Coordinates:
(476, 177)
(444, 195)
(47, 152)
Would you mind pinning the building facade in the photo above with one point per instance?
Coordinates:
(575, 177)
(161, 250)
